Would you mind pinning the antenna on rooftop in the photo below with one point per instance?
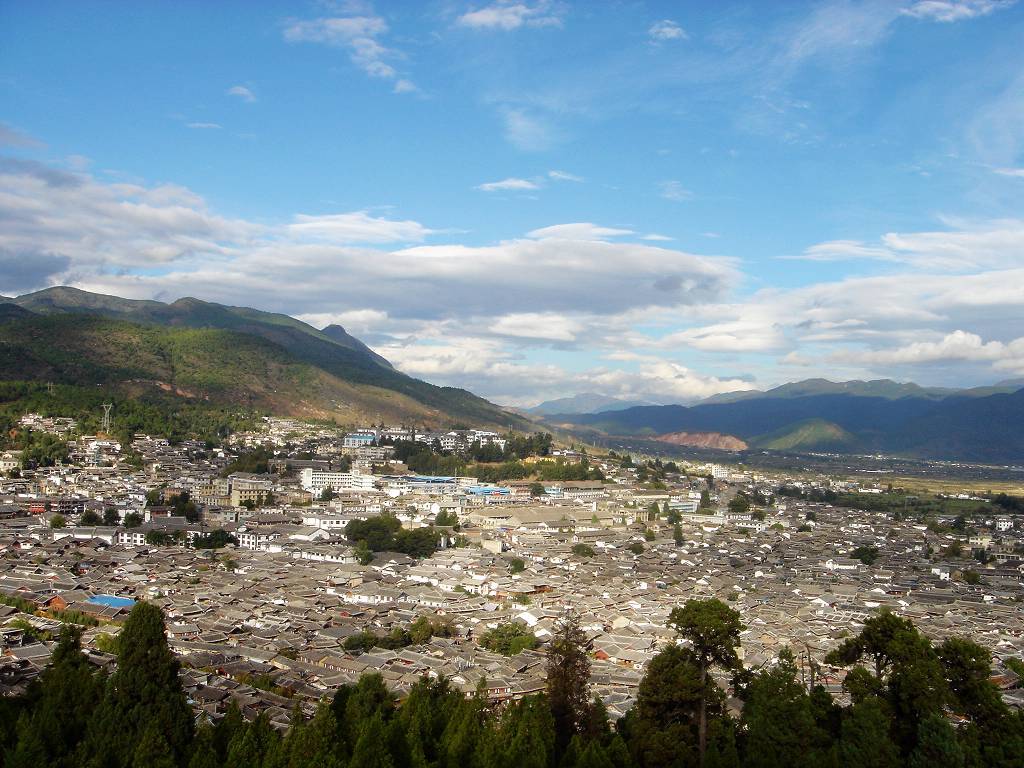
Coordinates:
(105, 424)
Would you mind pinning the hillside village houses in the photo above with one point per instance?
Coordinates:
(283, 600)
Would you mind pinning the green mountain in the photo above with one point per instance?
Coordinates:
(983, 424)
(885, 388)
(207, 352)
(810, 435)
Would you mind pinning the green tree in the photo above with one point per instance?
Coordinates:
(568, 679)
(662, 729)
(778, 721)
(508, 639)
(57, 521)
(739, 504)
(713, 630)
(89, 518)
(144, 689)
(936, 745)
(62, 701)
(864, 739)
(967, 668)
(369, 751)
(583, 550)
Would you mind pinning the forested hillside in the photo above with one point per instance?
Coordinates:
(203, 352)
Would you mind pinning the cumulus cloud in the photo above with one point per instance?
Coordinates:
(958, 345)
(163, 240)
(512, 15)
(109, 225)
(666, 29)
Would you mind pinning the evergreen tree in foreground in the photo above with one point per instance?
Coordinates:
(144, 692)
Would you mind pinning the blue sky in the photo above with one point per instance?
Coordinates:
(532, 199)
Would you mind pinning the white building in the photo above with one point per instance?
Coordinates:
(316, 480)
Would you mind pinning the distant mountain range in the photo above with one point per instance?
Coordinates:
(984, 424)
(211, 352)
(587, 402)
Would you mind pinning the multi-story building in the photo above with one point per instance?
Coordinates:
(316, 480)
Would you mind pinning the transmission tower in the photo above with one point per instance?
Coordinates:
(105, 424)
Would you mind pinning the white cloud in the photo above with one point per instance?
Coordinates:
(968, 245)
(512, 15)
(509, 185)
(655, 237)
(675, 191)
(545, 326)
(574, 286)
(666, 29)
(115, 236)
(204, 126)
(357, 227)
(1014, 172)
(564, 176)
(581, 231)
(954, 10)
(842, 250)
(837, 29)
(360, 36)
(405, 86)
(242, 92)
(958, 345)
(749, 334)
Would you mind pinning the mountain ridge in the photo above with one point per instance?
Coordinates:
(965, 425)
(351, 381)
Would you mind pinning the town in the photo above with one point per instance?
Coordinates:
(295, 557)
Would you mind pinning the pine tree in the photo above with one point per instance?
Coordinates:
(568, 673)
(371, 747)
(864, 740)
(152, 750)
(713, 631)
(204, 753)
(937, 745)
(780, 729)
(63, 700)
(144, 689)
